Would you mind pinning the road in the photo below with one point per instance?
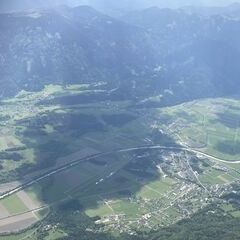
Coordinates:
(90, 157)
(196, 176)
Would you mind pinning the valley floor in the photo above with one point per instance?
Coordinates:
(111, 168)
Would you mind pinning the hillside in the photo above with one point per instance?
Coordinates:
(119, 122)
(163, 54)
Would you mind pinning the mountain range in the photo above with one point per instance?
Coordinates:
(109, 5)
(171, 54)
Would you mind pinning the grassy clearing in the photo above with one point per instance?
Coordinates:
(162, 185)
(55, 234)
(148, 193)
(227, 207)
(101, 210)
(156, 189)
(236, 214)
(14, 205)
(211, 180)
(131, 210)
(34, 192)
(230, 209)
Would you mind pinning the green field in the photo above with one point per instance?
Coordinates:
(118, 191)
(37, 130)
(14, 205)
(213, 126)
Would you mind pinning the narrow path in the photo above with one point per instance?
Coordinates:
(196, 177)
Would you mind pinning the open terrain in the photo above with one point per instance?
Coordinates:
(211, 126)
(120, 125)
(122, 168)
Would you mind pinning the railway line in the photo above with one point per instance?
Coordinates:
(93, 156)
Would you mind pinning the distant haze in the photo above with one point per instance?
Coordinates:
(108, 5)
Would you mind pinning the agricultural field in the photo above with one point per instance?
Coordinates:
(45, 130)
(19, 211)
(211, 126)
(105, 166)
(123, 190)
(39, 128)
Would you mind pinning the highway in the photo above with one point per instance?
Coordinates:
(90, 157)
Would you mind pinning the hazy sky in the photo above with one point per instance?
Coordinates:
(11, 5)
(160, 3)
(163, 3)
